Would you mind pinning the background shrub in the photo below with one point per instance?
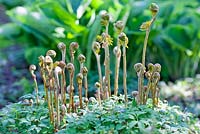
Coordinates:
(173, 41)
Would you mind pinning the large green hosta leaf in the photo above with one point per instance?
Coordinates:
(178, 37)
(32, 21)
(33, 53)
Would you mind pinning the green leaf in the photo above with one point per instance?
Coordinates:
(5, 123)
(9, 30)
(119, 127)
(134, 103)
(32, 54)
(24, 121)
(177, 36)
(132, 124)
(29, 21)
(42, 125)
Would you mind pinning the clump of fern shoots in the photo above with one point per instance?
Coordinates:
(119, 26)
(54, 77)
(140, 67)
(97, 85)
(62, 47)
(79, 79)
(84, 71)
(123, 40)
(32, 68)
(106, 40)
(70, 68)
(96, 50)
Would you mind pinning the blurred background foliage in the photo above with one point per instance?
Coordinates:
(174, 40)
(35, 26)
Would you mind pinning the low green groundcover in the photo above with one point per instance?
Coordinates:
(112, 117)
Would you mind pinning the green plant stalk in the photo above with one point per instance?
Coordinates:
(140, 86)
(106, 93)
(50, 112)
(71, 101)
(107, 70)
(117, 66)
(80, 94)
(46, 80)
(149, 86)
(124, 74)
(63, 87)
(32, 68)
(62, 48)
(116, 76)
(55, 103)
(146, 41)
(52, 106)
(107, 65)
(145, 46)
(51, 88)
(63, 55)
(42, 73)
(58, 110)
(72, 57)
(55, 96)
(62, 113)
(52, 100)
(45, 88)
(73, 106)
(86, 86)
(153, 94)
(81, 66)
(157, 96)
(73, 47)
(141, 92)
(99, 96)
(141, 83)
(36, 90)
(57, 92)
(99, 71)
(48, 101)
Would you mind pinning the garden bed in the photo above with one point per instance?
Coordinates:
(111, 117)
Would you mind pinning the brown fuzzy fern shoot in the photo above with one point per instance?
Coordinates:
(70, 68)
(124, 41)
(32, 68)
(48, 69)
(119, 26)
(146, 26)
(62, 65)
(43, 75)
(81, 59)
(96, 49)
(97, 85)
(62, 47)
(106, 41)
(79, 79)
(57, 71)
(73, 47)
(117, 53)
(84, 71)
